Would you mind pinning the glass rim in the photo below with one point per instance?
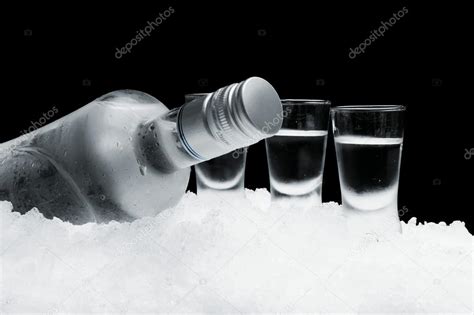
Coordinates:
(304, 101)
(368, 108)
(197, 94)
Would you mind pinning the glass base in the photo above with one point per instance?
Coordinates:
(227, 194)
(312, 199)
(380, 222)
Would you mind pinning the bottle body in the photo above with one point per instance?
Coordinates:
(89, 165)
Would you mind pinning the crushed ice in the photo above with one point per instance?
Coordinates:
(231, 256)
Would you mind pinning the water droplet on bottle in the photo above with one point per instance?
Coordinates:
(130, 138)
(142, 169)
(102, 197)
(65, 153)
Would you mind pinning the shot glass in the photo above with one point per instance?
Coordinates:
(224, 175)
(296, 153)
(369, 142)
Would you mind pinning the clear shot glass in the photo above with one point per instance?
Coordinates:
(296, 153)
(224, 175)
(369, 142)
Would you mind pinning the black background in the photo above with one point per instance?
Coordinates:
(64, 56)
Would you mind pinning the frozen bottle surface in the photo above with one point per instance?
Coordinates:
(125, 155)
(85, 167)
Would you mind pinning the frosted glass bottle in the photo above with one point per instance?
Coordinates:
(125, 155)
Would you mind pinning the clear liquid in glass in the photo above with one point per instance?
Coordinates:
(222, 174)
(368, 171)
(296, 163)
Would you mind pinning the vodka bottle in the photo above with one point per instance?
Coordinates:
(125, 155)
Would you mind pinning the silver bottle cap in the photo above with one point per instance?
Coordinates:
(232, 117)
